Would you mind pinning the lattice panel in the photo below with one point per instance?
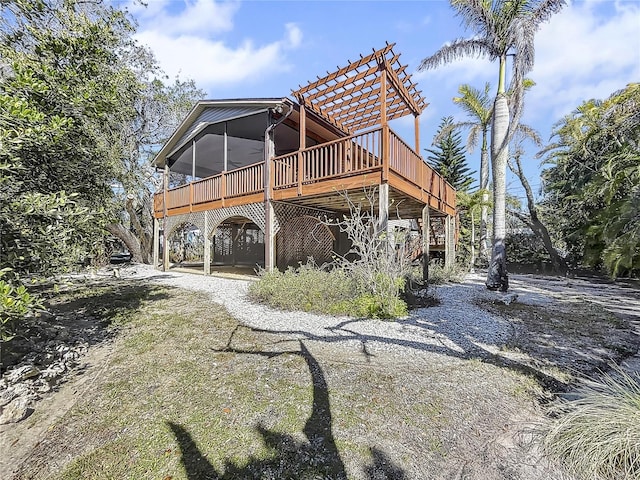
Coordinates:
(285, 212)
(252, 211)
(171, 223)
(303, 237)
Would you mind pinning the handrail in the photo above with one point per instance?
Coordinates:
(241, 181)
(342, 157)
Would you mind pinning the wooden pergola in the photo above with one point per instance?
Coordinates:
(368, 92)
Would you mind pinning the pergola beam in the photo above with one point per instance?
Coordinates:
(372, 90)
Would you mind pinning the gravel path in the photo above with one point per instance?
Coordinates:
(456, 327)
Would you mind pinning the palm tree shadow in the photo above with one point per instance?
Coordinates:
(318, 457)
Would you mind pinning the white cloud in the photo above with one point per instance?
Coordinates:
(187, 42)
(581, 55)
(196, 17)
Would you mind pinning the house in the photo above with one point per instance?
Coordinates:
(259, 175)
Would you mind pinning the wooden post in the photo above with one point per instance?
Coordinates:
(425, 243)
(225, 155)
(269, 237)
(449, 241)
(207, 246)
(156, 242)
(165, 230)
(193, 159)
(383, 208)
(416, 127)
(386, 137)
(302, 145)
(223, 188)
(269, 213)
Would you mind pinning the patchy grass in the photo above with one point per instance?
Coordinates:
(189, 394)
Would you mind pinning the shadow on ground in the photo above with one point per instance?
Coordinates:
(547, 342)
(317, 457)
(77, 313)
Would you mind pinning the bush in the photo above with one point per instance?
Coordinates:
(314, 289)
(439, 274)
(597, 435)
(16, 303)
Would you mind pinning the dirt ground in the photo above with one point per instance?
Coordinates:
(266, 405)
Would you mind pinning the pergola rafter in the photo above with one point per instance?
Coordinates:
(370, 91)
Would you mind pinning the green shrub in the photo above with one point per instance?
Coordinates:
(335, 292)
(597, 435)
(15, 303)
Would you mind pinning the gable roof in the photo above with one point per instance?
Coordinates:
(207, 112)
(352, 97)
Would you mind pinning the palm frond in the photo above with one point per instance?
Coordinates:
(530, 133)
(475, 103)
(456, 50)
(545, 9)
(472, 139)
(476, 14)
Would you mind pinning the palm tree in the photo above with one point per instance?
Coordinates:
(501, 28)
(477, 105)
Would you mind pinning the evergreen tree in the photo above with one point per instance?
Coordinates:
(448, 157)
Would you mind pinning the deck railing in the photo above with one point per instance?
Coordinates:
(207, 189)
(339, 158)
(404, 161)
(242, 181)
(245, 180)
(179, 196)
(345, 156)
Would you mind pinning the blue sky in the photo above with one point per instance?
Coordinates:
(267, 48)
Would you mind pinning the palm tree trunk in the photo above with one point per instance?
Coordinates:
(473, 241)
(484, 185)
(497, 276)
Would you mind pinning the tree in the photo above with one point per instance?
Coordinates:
(593, 182)
(478, 106)
(448, 158)
(533, 220)
(501, 28)
(471, 204)
(159, 109)
(84, 108)
(63, 94)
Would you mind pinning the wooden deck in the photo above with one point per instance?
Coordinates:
(319, 176)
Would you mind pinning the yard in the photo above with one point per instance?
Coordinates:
(185, 379)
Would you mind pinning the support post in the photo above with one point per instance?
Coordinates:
(225, 146)
(449, 239)
(302, 145)
(193, 159)
(207, 246)
(416, 127)
(165, 230)
(156, 242)
(269, 237)
(383, 208)
(386, 137)
(269, 213)
(425, 243)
